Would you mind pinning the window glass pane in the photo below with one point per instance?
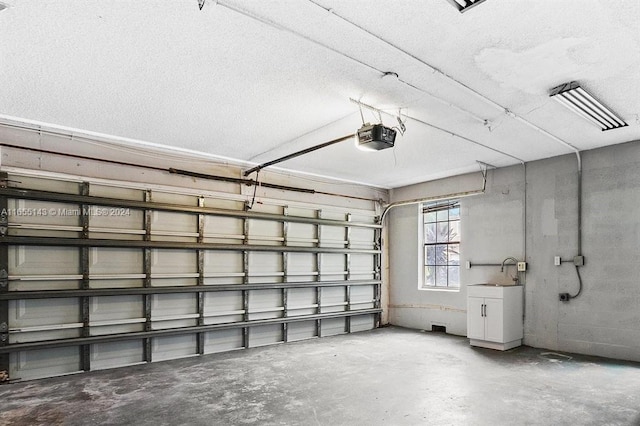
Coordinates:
(453, 257)
(441, 276)
(454, 231)
(430, 233)
(441, 254)
(443, 232)
(430, 217)
(454, 276)
(441, 241)
(430, 256)
(429, 275)
(454, 213)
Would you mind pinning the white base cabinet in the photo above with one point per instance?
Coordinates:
(494, 316)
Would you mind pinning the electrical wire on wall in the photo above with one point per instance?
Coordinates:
(255, 189)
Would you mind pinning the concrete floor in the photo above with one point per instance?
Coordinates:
(389, 376)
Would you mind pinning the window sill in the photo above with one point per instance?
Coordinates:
(445, 289)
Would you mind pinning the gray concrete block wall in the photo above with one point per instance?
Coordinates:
(605, 319)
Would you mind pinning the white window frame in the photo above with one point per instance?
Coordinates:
(421, 250)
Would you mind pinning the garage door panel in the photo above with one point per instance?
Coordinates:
(333, 326)
(223, 318)
(22, 284)
(301, 301)
(36, 364)
(33, 320)
(117, 283)
(362, 266)
(105, 261)
(43, 213)
(362, 297)
(32, 260)
(264, 232)
(173, 261)
(30, 334)
(333, 236)
(362, 322)
(164, 323)
(223, 340)
(129, 327)
(265, 335)
(174, 268)
(302, 234)
(333, 267)
(169, 226)
(41, 312)
(223, 307)
(362, 238)
(219, 203)
(227, 230)
(115, 218)
(106, 191)
(301, 330)
(222, 301)
(173, 347)
(265, 267)
(174, 198)
(299, 264)
(334, 299)
(116, 354)
(264, 304)
(222, 262)
(116, 314)
(173, 310)
(44, 184)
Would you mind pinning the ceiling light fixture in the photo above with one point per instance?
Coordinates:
(578, 100)
(464, 5)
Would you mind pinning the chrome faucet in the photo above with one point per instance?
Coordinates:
(515, 261)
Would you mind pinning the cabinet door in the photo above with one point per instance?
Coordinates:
(494, 320)
(475, 320)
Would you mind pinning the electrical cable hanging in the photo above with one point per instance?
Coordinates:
(255, 189)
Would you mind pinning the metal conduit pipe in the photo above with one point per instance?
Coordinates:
(434, 198)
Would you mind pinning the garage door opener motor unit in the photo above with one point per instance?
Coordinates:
(375, 137)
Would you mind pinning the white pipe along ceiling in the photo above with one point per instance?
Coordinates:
(255, 81)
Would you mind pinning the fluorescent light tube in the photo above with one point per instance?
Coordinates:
(578, 100)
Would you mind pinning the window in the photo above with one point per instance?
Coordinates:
(441, 244)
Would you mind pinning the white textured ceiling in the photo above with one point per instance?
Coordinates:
(258, 79)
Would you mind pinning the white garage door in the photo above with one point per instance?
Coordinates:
(96, 276)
